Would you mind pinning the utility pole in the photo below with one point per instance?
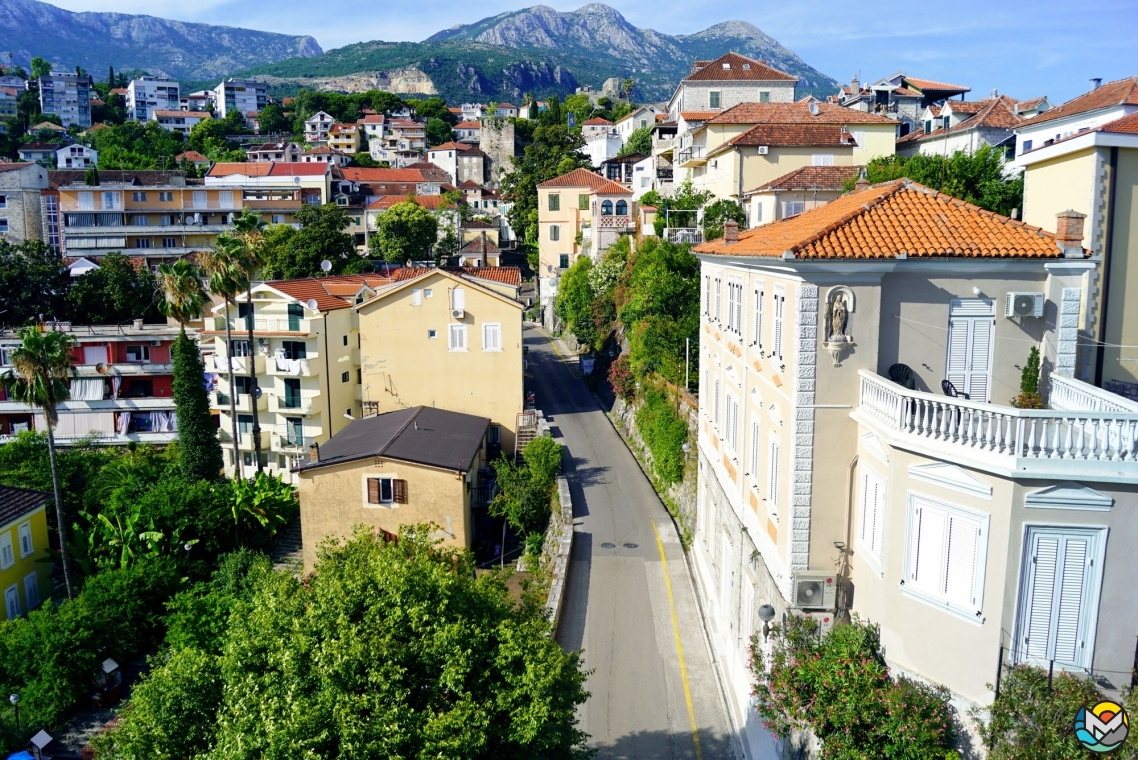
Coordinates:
(687, 363)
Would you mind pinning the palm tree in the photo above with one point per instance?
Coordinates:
(224, 280)
(250, 230)
(41, 368)
(182, 287)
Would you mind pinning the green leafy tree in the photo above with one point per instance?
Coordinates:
(136, 145)
(225, 280)
(261, 505)
(979, 177)
(291, 253)
(40, 67)
(184, 300)
(717, 213)
(661, 310)
(273, 121)
(638, 143)
(435, 108)
(115, 293)
(438, 132)
(249, 257)
(199, 616)
(405, 231)
(33, 281)
(41, 370)
(575, 301)
(553, 152)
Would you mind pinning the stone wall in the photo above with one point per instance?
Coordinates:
(497, 140)
(556, 550)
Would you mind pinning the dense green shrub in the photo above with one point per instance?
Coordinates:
(621, 379)
(525, 491)
(664, 432)
(197, 435)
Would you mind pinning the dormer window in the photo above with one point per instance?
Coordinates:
(747, 66)
(726, 67)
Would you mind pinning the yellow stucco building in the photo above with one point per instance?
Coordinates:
(25, 576)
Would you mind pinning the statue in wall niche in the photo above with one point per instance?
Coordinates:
(839, 317)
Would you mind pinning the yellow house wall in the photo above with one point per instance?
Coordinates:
(1122, 317)
(1062, 183)
(880, 140)
(568, 216)
(33, 563)
(333, 500)
(405, 368)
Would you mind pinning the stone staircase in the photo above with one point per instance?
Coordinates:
(289, 549)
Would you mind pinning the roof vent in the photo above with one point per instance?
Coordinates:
(1096, 82)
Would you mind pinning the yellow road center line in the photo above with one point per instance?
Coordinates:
(679, 646)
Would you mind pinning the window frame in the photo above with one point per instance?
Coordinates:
(554, 202)
(555, 233)
(7, 550)
(7, 602)
(972, 612)
(24, 530)
(454, 329)
(759, 294)
(496, 329)
(876, 538)
(779, 325)
(714, 98)
(396, 487)
(32, 590)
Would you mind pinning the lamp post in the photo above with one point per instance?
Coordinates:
(15, 700)
(187, 546)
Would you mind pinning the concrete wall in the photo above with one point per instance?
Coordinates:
(405, 367)
(696, 96)
(36, 562)
(772, 202)
(21, 191)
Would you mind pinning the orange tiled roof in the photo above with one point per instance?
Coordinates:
(830, 135)
(1119, 92)
(190, 155)
(733, 67)
(795, 113)
(1126, 125)
(698, 115)
(586, 178)
(268, 169)
(361, 174)
(467, 125)
(451, 146)
(598, 122)
(995, 114)
(504, 275)
(812, 178)
(929, 84)
(889, 220)
(1027, 105)
(476, 245)
(916, 134)
(329, 292)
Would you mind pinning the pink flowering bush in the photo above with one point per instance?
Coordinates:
(839, 687)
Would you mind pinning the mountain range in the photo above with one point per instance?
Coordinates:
(158, 46)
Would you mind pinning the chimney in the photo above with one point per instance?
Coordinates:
(730, 232)
(1096, 82)
(862, 182)
(1069, 233)
(995, 93)
(314, 452)
(855, 84)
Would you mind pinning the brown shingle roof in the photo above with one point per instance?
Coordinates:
(795, 113)
(480, 244)
(504, 275)
(888, 220)
(452, 146)
(190, 155)
(733, 67)
(1119, 92)
(830, 135)
(812, 178)
(17, 502)
(7, 167)
(598, 121)
(586, 178)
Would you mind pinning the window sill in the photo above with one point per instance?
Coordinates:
(940, 604)
(491, 350)
(458, 350)
(871, 561)
(369, 505)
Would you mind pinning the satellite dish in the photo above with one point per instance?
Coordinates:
(311, 304)
(326, 265)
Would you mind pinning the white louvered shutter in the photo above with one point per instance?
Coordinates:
(718, 296)
(1069, 597)
(772, 483)
(757, 339)
(927, 560)
(755, 450)
(872, 527)
(1045, 561)
(980, 358)
(779, 301)
(739, 309)
(715, 403)
(960, 573)
(957, 373)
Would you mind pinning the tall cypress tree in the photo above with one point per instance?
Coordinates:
(111, 78)
(197, 436)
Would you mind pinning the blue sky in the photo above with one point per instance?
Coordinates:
(1048, 47)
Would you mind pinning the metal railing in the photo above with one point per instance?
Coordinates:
(692, 235)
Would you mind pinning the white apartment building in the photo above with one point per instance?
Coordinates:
(76, 157)
(246, 96)
(146, 95)
(317, 126)
(68, 96)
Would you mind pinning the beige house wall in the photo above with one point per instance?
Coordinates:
(1122, 317)
(1067, 182)
(771, 203)
(333, 500)
(568, 219)
(404, 367)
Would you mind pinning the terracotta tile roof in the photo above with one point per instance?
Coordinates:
(267, 169)
(337, 128)
(905, 92)
(733, 67)
(795, 113)
(698, 115)
(469, 184)
(296, 169)
(812, 178)
(361, 174)
(322, 150)
(501, 105)
(330, 292)
(452, 145)
(34, 147)
(426, 201)
(372, 119)
(1126, 125)
(476, 246)
(929, 84)
(467, 125)
(935, 110)
(995, 114)
(190, 155)
(18, 502)
(431, 172)
(1119, 92)
(586, 178)
(474, 224)
(1027, 105)
(227, 168)
(830, 135)
(598, 121)
(504, 275)
(12, 166)
(890, 219)
(916, 134)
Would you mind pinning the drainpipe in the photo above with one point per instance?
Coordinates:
(1108, 248)
(849, 528)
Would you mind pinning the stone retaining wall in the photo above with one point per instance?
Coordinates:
(556, 550)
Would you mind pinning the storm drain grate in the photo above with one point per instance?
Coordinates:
(631, 546)
(608, 545)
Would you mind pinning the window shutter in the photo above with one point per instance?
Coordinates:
(1070, 600)
(7, 558)
(32, 590)
(373, 490)
(928, 554)
(772, 484)
(715, 402)
(958, 353)
(981, 358)
(399, 491)
(868, 488)
(739, 309)
(416, 297)
(755, 450)
(758, 341)
(459, 296)
(25, 539)
(779, 301)
(960, 575)
(12, 601)
(718, 282)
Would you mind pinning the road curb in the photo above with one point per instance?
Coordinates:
(561, 562)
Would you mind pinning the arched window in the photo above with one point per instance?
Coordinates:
(606, 208)
(622, 208)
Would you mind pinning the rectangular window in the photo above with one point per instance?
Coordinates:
(239, 348)
(715, 404)
(294, 349)
(718, 297)
(554, 232)
(86, 201)
(169, 242)
(345, 377)
(792, 208)
(492, 336)
(764, 96)
(142, 243)
(292, 393)
(773, 479)
(3, 201)
(432, 334)
(1059, 589)
(138, 353)
(731, 434)
(111, 201)
(32, 590)
(713, 99)
(458, 299)
(822, 159)
(138, 196)
(859, 137)
(7, 557)
(707, 295)
(946, 549)
(12, 601)
(554, 202)
(779, 309)
(583, 202)
(416, 297)
(457, 338)
(244, 424)
(757, 338)
(26, 547)
(3, 225)
(225, 199)
(165, 196)
(278, 218)
(386, 491)
(755, 433)
(758, 213)
(1026, 146)
(871, 525)
(563, 261)
(142, 220)
(971, 325)
(200, 199)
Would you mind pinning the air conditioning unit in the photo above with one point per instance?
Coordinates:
(156, 343)
(815, 589)
(457, 313)
(763, 150)
(825, 621)
(1024, 305)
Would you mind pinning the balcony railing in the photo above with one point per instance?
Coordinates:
(1027, 442)
(293, 405)
(664, 173)
(1071, 395)
(290, 367)
(267, 324)
(244, 402)
(692, 235)
(239, 364)
(694, 153)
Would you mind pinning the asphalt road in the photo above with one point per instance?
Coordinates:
(621, 607)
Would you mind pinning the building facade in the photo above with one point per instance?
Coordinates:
(25, 572)
(728, 81)
(146, 95)
(68, 96)
(21, 216)
(245, 96)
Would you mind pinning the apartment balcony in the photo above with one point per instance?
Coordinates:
(690, 235)
(140, 369)
(1096, 444)
(245, 441)
(665, 173)
(77, 232)
(615, 222)
(290, 444)
(264, 324)
(139, 404)
(291, 367)
(288, 205)
(108, 440)
(219, 401)
(302, 406)
(238, 364)
(696, 155)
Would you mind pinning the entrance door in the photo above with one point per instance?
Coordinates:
(971, 328)
(1060, 579)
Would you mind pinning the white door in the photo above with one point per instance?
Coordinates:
(971, 328)
(1060, 579)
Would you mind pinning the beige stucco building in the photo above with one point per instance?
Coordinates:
(449, 340)
(795, 192)
(415, 465)
(831, 456)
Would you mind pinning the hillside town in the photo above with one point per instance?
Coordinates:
(762, 422)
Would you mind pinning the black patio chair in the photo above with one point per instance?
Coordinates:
(903, 375)
(950, 390)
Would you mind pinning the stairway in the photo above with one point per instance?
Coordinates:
(289, 548)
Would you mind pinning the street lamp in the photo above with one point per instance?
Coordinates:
(187, 546)
(686, 448)
(15, 700)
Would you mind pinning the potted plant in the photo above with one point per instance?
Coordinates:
(1028, 397)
